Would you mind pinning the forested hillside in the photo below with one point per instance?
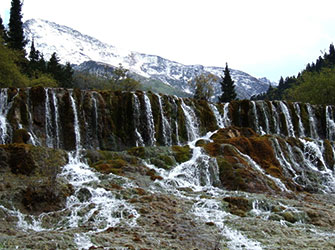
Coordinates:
(315, 84)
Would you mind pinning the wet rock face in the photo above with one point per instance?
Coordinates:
(120, 120)
(46, 196)
(21, 161)
(29, 179)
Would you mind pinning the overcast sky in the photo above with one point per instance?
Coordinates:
(268, 38)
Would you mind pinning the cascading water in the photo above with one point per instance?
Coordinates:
(150, 121)
(96, 114)
(314, 159)
(48, 121)
(201, 174)
(191, 122)
(4, 108)
(94, 207)
(312, 124)
(301, 126)
(266, 119)
(57, 131)
(258, 128)
(33, 138)
(219, 118)
(288, 120)
(330, 123)
(284, 162)
(76, 126)
(278, 182)
(139, 137)
(275, 117)
(167, 132)
(226, 119)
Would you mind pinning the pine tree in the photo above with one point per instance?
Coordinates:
(53, 66)
(33, 64)
(34, 54)
(16, 38)
(67, 76)
(227, 87)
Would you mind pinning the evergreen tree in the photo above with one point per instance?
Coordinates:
(34, 54)
(33, 65)
(42, 64)
(281, 82)
(53, 67)
(3, 32)
(227, 87)
(16, 38)
(67, 76)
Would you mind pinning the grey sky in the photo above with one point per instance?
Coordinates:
(261, 37)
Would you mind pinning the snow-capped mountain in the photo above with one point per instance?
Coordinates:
(76, 48)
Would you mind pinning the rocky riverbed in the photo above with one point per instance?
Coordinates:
(148, 209)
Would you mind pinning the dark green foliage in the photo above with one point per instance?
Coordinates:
(3, 32)
(67, 76)
(16, 39)
(315, 88)
(227, 87)
(314, 84)
(34, 54)
(62, 74)
(10, 75)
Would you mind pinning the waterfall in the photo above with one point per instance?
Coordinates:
(258, 129)
(219, 118)
(106, 204)
(330, 123)
(312, 124)
(210, 210)
(226, 119)
(149, 120)
(33, 138)
(139, 138)
(200, 173)
(288, 120)
(176, 121)
(284, 162)
(191, 122)
(275, 118)
(4, 108)
(48, 121)
(314, 159)
(76, 125)
(96, 116)
(55, 104)
(301, 126)
(266, 119)
(278, 182)
(167, 133)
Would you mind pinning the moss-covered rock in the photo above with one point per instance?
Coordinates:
(46, 196)
(21, 161)
(239, 206)
(329, 155)
(21, 136)
(182, 153)
(110, 166)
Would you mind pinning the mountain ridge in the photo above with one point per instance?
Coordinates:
(77, 48)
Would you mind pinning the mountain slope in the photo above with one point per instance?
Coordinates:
(76, 48)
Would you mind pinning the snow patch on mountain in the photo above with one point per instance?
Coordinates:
(76, 48)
